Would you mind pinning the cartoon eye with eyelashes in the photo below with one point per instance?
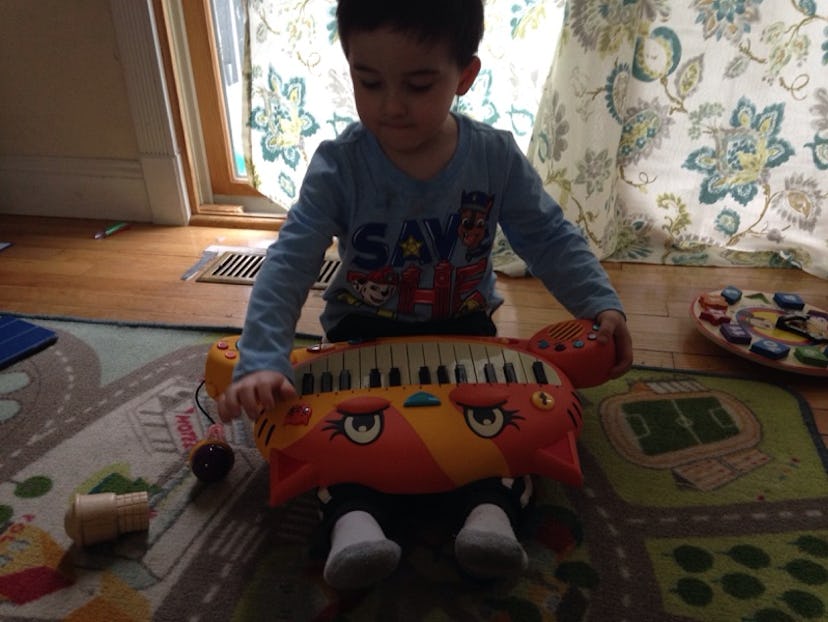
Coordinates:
(362, 420)
(489, 421)
(483, 409)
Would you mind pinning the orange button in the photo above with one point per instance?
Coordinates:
(222, 345)
(230, 354)
(543, 400)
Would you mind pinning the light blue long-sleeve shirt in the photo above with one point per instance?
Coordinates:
(414, 250)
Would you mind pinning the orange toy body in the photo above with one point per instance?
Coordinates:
(429, 414)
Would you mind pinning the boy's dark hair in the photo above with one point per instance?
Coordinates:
(457, 22)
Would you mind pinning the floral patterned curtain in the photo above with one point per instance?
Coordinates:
(692, 132)
(299, 91)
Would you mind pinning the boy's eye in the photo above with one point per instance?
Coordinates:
(369, 84)
(420, 88)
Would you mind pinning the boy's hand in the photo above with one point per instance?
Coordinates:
(254, 394)
(613, 326)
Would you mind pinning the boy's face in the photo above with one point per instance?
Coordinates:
(404, 89)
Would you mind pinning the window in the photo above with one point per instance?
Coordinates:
(300, 92)
(204, 59)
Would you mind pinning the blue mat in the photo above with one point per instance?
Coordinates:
(19, 339)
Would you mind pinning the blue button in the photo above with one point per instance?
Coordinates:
(421, 398)
(770, 349)
(578, 343)
(732, 294)
(788, 301)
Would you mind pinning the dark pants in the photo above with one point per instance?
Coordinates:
(370, 327)
(391, 511)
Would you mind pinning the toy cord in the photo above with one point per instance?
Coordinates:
(199, 405)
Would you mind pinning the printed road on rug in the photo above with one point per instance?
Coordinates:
(705, 498)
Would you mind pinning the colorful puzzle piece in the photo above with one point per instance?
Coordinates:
(770, 349)
(732, 294)
(811, 355)
(789, 301)
(713, 301)
(735, 333)
(716, 317)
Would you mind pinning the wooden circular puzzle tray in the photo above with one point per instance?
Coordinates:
(777, 329)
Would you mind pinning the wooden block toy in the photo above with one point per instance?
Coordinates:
(102, 517)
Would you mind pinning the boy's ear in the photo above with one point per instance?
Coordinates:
(468, 76)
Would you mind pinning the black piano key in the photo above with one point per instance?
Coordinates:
(344, 380)
(394, 377)
(326, 382)
(442, 375)
(460, 374)
(375, 378)
(540, 374)
(509, 372)
(425, 375)
(307, 383)
(489, 372)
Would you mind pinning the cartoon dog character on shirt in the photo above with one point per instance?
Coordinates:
(473, 228)
(374, 288)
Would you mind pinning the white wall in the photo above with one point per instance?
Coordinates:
(84, 120)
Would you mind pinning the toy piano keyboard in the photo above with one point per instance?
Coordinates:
(780, 330)
(428, 414)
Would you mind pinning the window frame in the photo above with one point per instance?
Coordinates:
(217, 196)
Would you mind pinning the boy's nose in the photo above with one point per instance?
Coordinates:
(393, 104)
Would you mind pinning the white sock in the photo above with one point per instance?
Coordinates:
(360, 554)
(487, 547)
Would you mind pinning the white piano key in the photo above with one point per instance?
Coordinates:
(400, 356)
(367, 362)
(431, 358)
(350, 362)
(551, 374)
(384, 361)
(528, 360)
(446, 357)
(497, 357)
(514, 357)
(480, 358)
(463, 357)
(416, 360)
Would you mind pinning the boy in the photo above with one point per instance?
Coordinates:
(414, 194)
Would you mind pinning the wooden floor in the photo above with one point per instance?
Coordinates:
(55, 267)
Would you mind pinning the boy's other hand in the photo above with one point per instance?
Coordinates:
(613, 325)
(254, 394)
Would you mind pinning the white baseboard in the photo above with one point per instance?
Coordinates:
(111, 189)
